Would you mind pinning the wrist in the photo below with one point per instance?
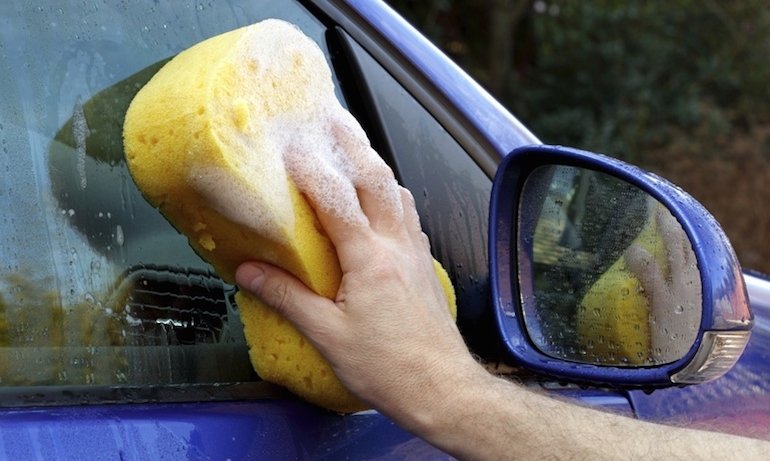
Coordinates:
(444, 404)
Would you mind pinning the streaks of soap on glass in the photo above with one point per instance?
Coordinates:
(80, 132)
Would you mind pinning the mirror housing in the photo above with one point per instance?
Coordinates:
(720, 330)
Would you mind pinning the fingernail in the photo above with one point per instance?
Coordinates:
(250, 276)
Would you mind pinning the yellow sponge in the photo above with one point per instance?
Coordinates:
(206, 140)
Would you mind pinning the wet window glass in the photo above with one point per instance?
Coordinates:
(96, 288)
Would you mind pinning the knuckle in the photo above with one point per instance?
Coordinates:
(407, 196)
(279, 297)
(425, 241)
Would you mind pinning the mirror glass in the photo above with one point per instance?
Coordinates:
(607, 275)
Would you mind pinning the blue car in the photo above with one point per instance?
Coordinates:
(118, 342)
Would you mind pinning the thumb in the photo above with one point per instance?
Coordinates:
(642, 264)
(283, 292)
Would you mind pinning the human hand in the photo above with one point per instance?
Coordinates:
(388, 334)
(673, 291)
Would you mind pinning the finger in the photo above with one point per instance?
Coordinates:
(330, 194)
(676, 239)
(380, 200)
(287, 295)
(681, 258)
(643, 265)
(411, 217)
(378, 191)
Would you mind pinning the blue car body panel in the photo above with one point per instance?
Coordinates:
(289, 429)
(254, 430)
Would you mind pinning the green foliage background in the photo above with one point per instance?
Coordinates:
(680, 87)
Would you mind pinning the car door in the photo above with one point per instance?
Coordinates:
(102, 301)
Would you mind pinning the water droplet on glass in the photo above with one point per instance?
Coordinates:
(119, 238)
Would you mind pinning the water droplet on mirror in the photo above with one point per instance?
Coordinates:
(679, 309)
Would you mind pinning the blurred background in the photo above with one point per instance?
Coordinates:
(680, 87)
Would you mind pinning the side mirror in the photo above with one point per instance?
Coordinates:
(606, 274)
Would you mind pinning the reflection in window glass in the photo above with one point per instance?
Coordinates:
(95, 286)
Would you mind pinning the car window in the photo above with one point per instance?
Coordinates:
(451, 191)
(96, 288)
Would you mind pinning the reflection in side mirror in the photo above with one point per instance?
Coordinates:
(614, 277)
(603, 273)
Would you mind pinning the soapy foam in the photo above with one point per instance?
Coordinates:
(313, 139)
(325, 150)
(233, 197)
(331, 159)
(328, 156)
(364, 167)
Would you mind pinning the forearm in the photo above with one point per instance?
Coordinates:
(493, 419)
(497, 419)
